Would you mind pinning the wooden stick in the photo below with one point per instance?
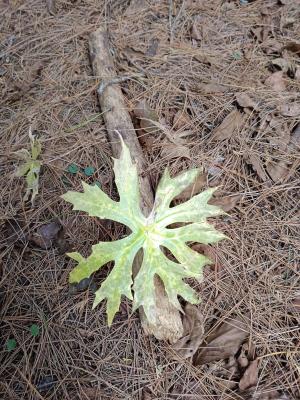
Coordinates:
(168, 324)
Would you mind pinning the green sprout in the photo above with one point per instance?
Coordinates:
(31, 167)
(11, 344)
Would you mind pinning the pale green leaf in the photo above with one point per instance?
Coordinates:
(30, 168)
(23, 169)
(151, 234)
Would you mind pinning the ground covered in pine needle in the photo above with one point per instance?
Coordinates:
(220, 80)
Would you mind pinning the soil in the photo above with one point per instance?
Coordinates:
(222, 79)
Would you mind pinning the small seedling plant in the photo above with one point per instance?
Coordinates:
(153, 234)
(30, 168)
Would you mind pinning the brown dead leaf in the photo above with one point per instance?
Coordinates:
(21, 87)
(181, 120)
(153, 46)
(210, 252)
(210, 88)
(172, 150)
(48, 235)
(244, 100)
(204, 58)
(242, 358)
(193, 331)
(230, 124)
(223, 342)
(227, 203)
(250, 376)
(196, 28)
(290, 110)
(277, 170)
(295, 137)
(276, 81)
(271, 46)
(255, 162)
(147, 117)
(194, 189)
(293, 47)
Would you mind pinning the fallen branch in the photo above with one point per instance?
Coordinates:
(168, 324)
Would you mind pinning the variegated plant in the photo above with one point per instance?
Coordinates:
(151, 233)
(31, 166)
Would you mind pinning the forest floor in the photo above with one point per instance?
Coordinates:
(221, 79)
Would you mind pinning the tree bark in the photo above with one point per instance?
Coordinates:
(168, 325)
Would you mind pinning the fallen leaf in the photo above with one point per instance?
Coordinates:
(250, 376)
(254, 160)
(194, 189)
(242, 358)
(210, 88)
(282, 63)
(279, 133)
(295, 137)
(209, 252)
(172, 150)
(193, 331)
(181, 120)
(196, 28)
(227, 203)
(297, 74)
(46, 236)
(147, 117)
(223, 342)
(276, 81)
(51, 6)
(244, 100)
(271, 46)
(277, 171)
(204, 58)
(293, 47)
(290, 110)
(152, 49)
(230, 124)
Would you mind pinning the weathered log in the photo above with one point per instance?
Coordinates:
(168, 325)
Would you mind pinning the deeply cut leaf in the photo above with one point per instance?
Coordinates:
(30, 168)
(151, 234)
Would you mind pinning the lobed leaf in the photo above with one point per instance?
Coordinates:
(150, 234)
